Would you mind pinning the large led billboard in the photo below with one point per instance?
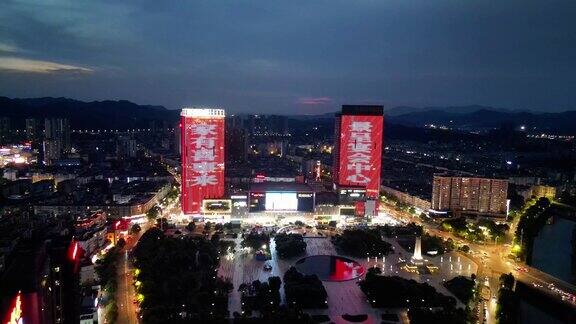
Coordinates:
(202, 157)
(281, 201)
(360, 152)
(214, 206)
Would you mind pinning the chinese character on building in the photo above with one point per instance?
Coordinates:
(359, 144)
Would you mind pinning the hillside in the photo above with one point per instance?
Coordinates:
(124, 114)
(562, 123)
(87, 115)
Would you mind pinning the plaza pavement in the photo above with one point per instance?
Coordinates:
(343, 297)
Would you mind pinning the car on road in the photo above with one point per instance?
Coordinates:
(267, 267)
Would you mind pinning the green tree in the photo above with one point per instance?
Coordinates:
(361, 243)
(191, 226)
(507, 311)
(111, 312)
(162, 223)
(173, 193)
(306, 291)
(256, 241)
(153, 213)
(507, 281)
(462, 287)
(543, 202)
(186, 289)
(135, 228)
(289, 245)
(207, 226)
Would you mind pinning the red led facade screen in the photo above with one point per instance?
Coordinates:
(202, 157)
(343, 270)
(15, 314)
(360, 152)
(360, 208)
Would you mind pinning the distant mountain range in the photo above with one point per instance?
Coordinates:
(88, 115)
(125, 115)
(402, 110)
(485, 118)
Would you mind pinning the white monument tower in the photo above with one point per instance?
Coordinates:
(417, 257)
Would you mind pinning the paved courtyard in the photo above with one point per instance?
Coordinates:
(343, 297)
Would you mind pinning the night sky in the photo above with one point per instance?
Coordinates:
(292, 56)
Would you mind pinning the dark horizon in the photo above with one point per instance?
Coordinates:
(393, 110)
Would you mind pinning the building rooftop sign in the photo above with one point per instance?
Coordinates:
(202, 112)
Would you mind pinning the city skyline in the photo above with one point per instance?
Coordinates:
(326, 161)
(267, 197)
(301, 57)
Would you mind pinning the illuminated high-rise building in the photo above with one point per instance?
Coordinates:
(56, 139)
(58, 129)
(358, 148)
(32, 131)
(470, 195)
(177, 138)
(236, 140)
(5, 130)
(202, 157)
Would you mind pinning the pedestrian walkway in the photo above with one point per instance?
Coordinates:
(344, 297)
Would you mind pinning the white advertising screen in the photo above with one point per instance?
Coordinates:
(281, 201)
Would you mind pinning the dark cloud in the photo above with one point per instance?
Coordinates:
(271, 56)
(321, 101)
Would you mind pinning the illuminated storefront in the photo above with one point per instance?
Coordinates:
(216, 206)
(281, 197)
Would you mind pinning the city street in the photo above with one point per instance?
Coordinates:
(492, 261)
(125, 293)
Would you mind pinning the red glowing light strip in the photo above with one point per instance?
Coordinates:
(15, 314)
(75, 251)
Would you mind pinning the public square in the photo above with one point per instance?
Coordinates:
(344, 297)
